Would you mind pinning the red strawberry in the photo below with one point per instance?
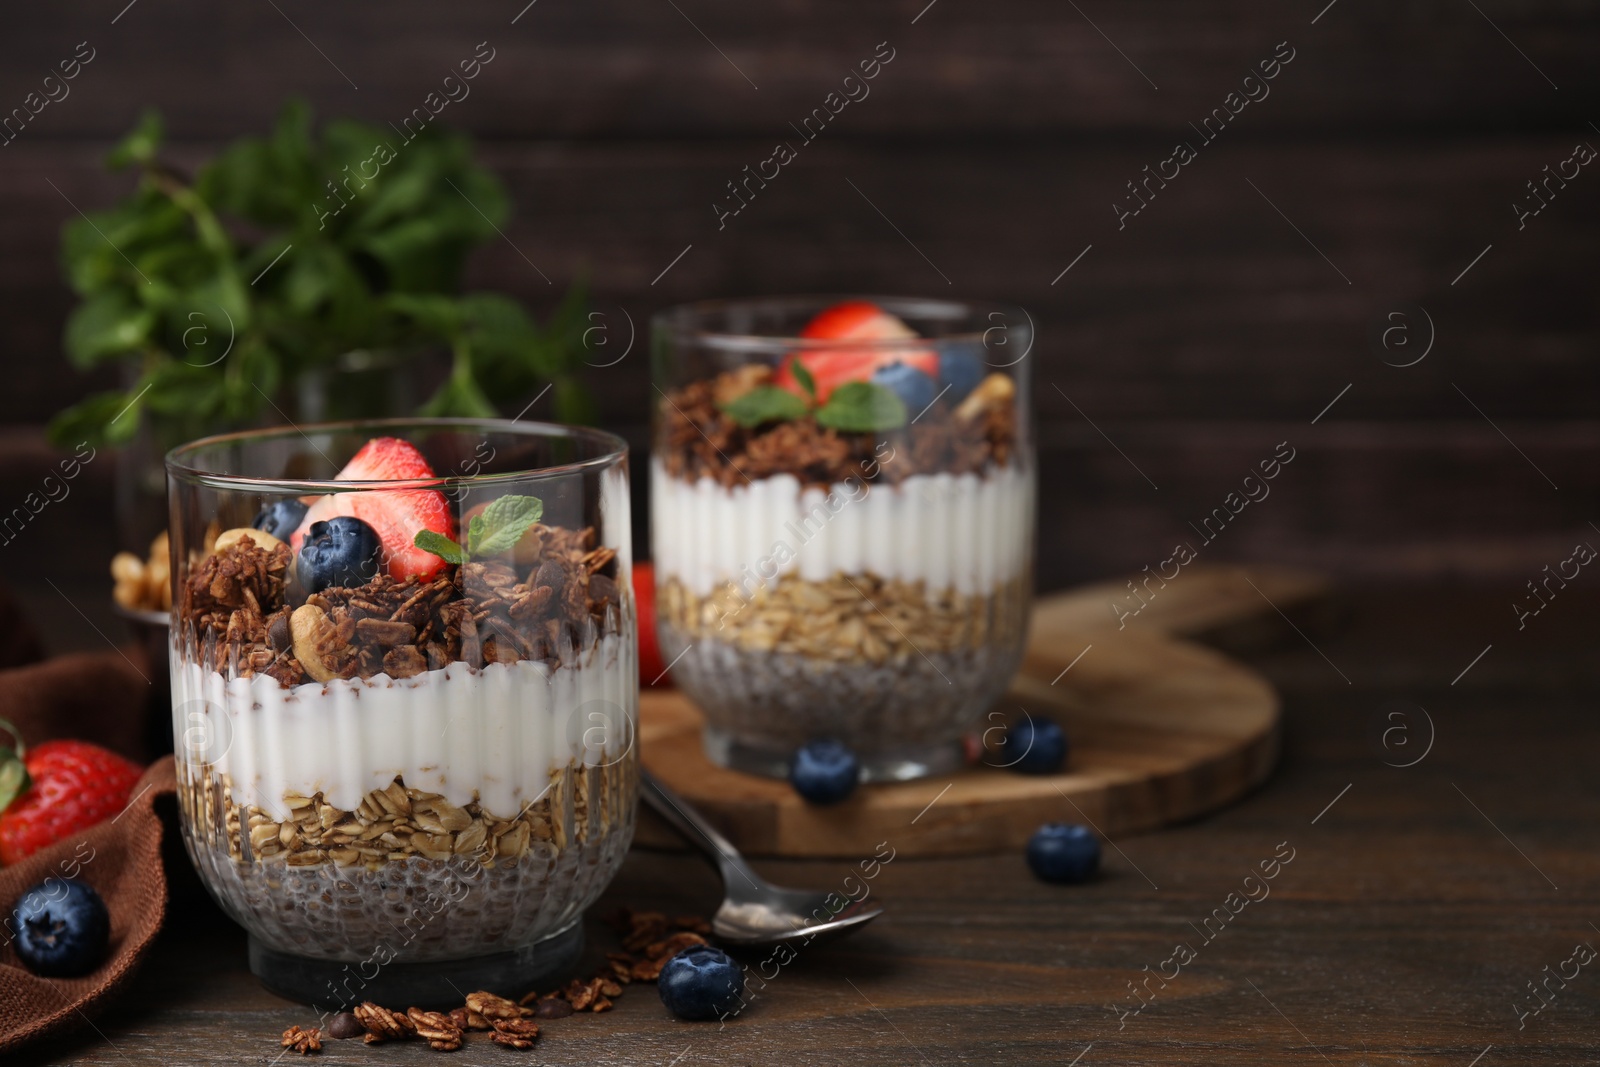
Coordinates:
(651, 665)
(396, 514)
(856, 320)
(853, 320)
(75, 785)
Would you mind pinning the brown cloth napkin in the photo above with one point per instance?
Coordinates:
(101, 697)
(95, 696)
(121, 858)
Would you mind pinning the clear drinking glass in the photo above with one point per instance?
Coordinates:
(829, 564)
(405, 772)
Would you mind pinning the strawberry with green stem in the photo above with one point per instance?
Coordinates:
(55, 790)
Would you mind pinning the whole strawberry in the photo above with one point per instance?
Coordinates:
(57, 789)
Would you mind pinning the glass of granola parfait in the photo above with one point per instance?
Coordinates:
(405, 698)
(842, 501)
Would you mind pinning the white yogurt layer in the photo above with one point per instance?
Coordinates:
(966, 532)
(494, 732)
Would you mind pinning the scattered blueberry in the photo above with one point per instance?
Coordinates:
(1035, 745)
(824, 772)
(61, 928)
(910, 384)
(701, 982)
(1061, 853)
(343, 551)
(961, 371)
(281, 518)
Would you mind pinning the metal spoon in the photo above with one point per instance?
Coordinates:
(753, 912)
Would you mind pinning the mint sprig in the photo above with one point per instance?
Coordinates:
(863, 407)
(803, 376)
(439, 545)
(765, 403)
(854, 407)
(491, 532)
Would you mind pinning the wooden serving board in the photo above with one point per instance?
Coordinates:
(1161, 730)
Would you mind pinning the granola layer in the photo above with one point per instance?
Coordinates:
(560, 592)
(696, 439)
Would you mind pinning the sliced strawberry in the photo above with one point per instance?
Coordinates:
(856, 320)
(386, 459)
(396, 514)
(852, 320)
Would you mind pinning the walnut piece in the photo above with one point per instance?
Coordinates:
(382, 1024)
(302, 1041)
(515, 1033)
(437, 1029)
(494, 1008)
(467, 1019)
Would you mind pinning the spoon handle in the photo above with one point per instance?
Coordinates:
(693, 826)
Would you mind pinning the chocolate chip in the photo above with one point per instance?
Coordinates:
(344, 1026)
(278, 632)
(552, 1008)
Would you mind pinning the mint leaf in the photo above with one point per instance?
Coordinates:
(501, 525)
(439, 545)
(862, 407)
(803, 376)
(764, 403)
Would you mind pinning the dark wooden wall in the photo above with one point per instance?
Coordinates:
(1196, 338)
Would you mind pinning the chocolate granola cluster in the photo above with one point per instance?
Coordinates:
(650, 939)
(697, 439)
(538, 605)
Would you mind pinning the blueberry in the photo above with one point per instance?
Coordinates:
(824, 772)
(61, 928)
(281, 518)
(1035, 745)
(701, 982)
(1061, 853)
(343, 551)
(910, 384)
(961, 371)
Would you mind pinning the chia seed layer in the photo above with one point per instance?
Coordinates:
(777, 701)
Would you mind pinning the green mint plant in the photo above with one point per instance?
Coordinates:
(218, 293)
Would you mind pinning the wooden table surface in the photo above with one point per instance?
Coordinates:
(1420, 903)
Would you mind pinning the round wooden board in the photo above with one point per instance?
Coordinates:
(1161, 730)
